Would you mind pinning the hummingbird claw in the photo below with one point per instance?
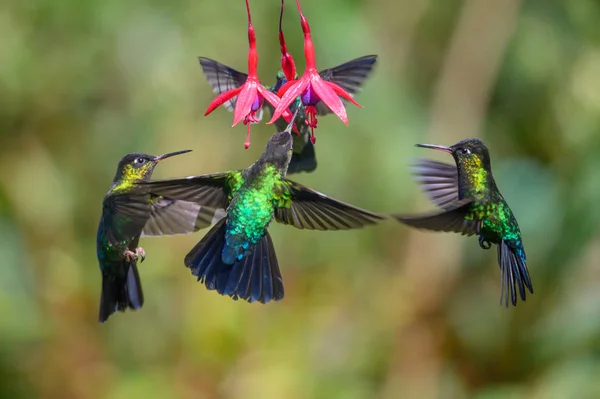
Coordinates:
(484, 244)
(130, 256)
(139, 251)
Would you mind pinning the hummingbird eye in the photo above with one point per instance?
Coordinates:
(465, 151)
(140, 161)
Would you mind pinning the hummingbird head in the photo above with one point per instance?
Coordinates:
(280, 81)
(470, 151)
(279, 147)
(474, 168)
(138, 166)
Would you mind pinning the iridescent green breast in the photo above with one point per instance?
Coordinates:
(497, 221)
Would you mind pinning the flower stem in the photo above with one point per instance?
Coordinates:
(252, 53)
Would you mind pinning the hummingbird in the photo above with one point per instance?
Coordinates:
(471, 204)
(129, 213)
(236, 257)
(349, 75)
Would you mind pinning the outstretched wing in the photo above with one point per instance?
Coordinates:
(305, 208)
(169, 217)
(211, 191)
(350, 76)
(452, 220)
(222, 78)
(438, 180)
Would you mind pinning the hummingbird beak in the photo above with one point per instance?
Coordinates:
(291, 124)
(171, 154)
(436, 147)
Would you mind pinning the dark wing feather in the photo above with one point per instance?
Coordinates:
(350, 76)
(452, 220)
(124, 216)
(170, 217)
(208, 190)
(222, 78)
(439, 181)
(513, 272)
(304, 158)
(305, 208)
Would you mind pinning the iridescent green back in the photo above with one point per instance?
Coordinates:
(252, 206)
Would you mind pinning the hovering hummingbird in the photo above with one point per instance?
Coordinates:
(350, 76)
(472, 204)
(129, 212)
(236, 257)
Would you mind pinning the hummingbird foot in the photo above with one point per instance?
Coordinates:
(130, 256)
(140, 253)
(484, 244)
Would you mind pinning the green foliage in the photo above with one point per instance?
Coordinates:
(384, 312)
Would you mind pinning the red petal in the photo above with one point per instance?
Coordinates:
(269, 96)
(244, 102)
(274, 100)
(329, 98)
(289, 96)
(222, 99)
(285, 87)
(341, 92)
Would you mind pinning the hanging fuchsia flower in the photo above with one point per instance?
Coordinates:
(311, 87)
(251, 94)
(287, 61)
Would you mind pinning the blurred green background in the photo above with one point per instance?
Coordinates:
(384, 312)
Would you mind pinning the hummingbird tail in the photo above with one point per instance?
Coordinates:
(305, 161)
(514, 274)
(254, 278)
(121, 291)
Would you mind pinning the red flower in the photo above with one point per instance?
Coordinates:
(311, 87)
(250, 95)
(287, 62)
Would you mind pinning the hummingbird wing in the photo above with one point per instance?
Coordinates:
(514, 273)
(254, 278)
(222, 78)
(169, 217)
(304, 158)
(452, 220)
(350, 76)
(438, 180)
(124, 216)
(211, 191)
(305, 208)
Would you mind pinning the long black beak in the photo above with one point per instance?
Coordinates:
(171, 154)
(436, 147)
(291, 124)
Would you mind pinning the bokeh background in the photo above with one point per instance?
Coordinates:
(384, 312)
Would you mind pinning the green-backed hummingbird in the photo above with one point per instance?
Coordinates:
(472, 205)
(350, 76)
(129, 212)
(236, 257)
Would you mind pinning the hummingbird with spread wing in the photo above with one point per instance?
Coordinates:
(349, 75)
(236, 257)
(128, 213)
(471, 204)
